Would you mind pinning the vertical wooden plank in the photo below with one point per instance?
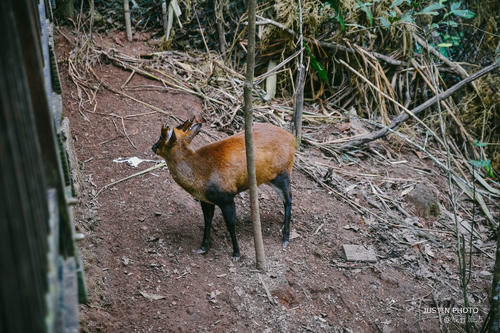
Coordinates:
(23, 209)
(36, 70)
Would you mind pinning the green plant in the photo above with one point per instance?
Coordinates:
(365, 7)
(317, 66)
(335, 4)
(443, 27)
(483, 164)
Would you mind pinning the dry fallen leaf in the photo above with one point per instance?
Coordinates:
(345, 127)
(152, 297)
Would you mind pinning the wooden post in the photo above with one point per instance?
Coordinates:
(128, 27)
(252, 180)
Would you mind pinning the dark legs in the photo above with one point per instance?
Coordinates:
(208, 214)
(282, 184)
(226, 203)
(229, 213)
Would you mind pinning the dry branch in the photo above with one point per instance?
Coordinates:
(453, 65)
(397, 121)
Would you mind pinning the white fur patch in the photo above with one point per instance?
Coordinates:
(169, 135)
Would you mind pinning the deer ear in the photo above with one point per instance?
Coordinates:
(164, 130)
(193, 131)
(184, 127)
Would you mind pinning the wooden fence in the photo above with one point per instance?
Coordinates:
(41, 278)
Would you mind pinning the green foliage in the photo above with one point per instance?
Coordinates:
(443, 14)
(432, 9)
(335, 4)
(484, 164)
(396, 3)
(454, 10)
(480, 144)
(317, 66)
(365, 7)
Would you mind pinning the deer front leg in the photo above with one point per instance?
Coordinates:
(208, 214)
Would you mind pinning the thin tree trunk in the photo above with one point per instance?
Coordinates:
(164, 17)
(219, 19)
(299, 94)
(299, 105)
(126, 9)
(493, 323)
(65, 8)
(252, 180)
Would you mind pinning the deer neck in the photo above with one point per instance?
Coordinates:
(181, 164)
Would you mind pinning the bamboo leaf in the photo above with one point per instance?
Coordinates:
(450, 23)
(399, 2)
(455, 6)
(480, 144)
(336, 7)
(480, 163)
(431, 9)
(384, 22)
(366, 8)
(317, 66)
(407, 17)
(465, 13)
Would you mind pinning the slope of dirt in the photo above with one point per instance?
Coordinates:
(139, 235)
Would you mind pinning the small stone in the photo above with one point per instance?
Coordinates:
(359, 253)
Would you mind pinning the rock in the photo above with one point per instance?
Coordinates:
(359, 253)
(424, 200)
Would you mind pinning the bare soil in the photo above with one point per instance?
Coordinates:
(139, 235)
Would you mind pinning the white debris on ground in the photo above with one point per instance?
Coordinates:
(133, 161)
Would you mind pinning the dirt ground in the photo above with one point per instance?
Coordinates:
(139, 235)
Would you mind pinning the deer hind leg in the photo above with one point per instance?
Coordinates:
(282, 185)
(229, 213)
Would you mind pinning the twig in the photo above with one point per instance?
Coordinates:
(407, 112)
(128, 79)
(107, 86)
(273, 70)
(453, 65)
(164, 17)
(462, 183)
(125, 132)
(105, 187)
(202, 34)
(352, 203)
(268, 294)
